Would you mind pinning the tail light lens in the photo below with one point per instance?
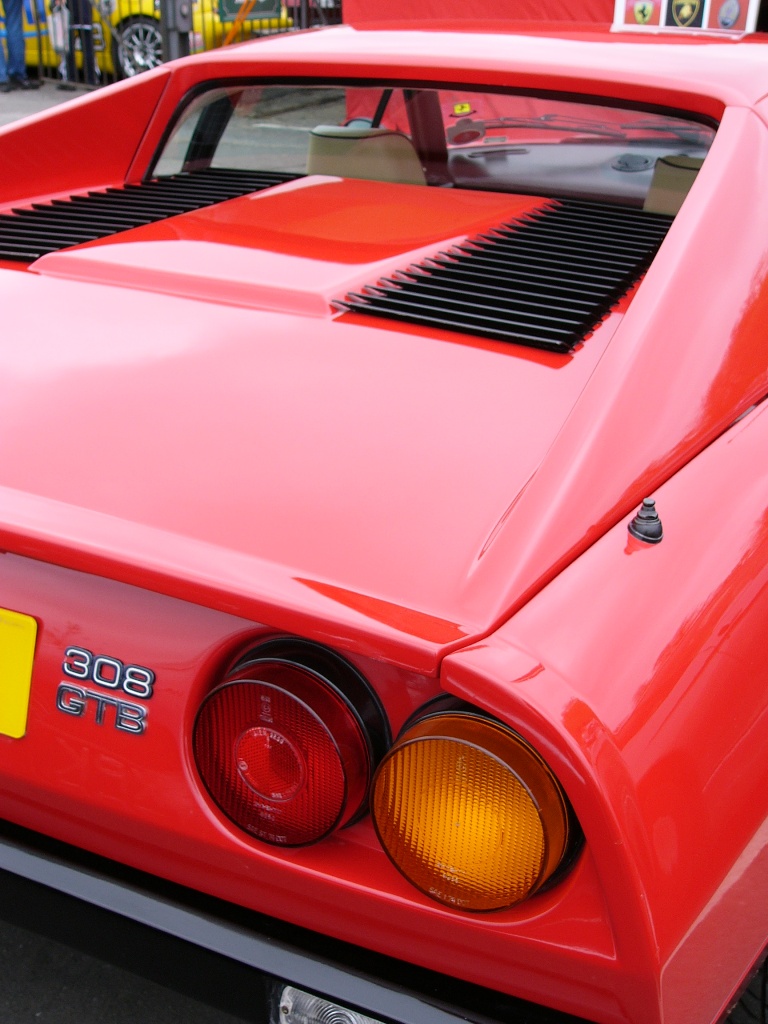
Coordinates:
(469, 812)
(286, 746)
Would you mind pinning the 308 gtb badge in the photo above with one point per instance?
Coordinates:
(108, 674)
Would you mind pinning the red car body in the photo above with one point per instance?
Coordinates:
(203, 451)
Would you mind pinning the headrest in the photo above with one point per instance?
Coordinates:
(376, 154)
(672, 178)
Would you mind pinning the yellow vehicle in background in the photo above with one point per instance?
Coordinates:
(126, 34)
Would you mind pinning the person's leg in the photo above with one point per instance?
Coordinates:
(14, 38)
(86, 35)
(3, 66)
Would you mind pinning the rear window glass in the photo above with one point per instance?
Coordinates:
(457, 138)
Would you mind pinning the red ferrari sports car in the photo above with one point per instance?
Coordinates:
(384, 529)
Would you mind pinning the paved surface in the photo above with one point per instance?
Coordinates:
(42, 981)
(22, 103)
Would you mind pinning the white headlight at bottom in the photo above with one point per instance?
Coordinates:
(297, 1007)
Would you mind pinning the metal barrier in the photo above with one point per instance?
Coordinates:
(93, 42)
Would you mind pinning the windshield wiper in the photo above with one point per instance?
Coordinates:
(466, 130)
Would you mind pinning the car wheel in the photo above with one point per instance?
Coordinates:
(138, 46)
(751, 1008)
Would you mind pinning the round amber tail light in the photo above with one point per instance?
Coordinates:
(286, 746)
(469, 812)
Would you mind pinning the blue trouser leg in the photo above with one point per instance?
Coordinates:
(14, 38)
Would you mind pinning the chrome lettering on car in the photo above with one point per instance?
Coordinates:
(134, 680)
(107, 673)
(125, 716)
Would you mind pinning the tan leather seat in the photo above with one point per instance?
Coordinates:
(376, 154)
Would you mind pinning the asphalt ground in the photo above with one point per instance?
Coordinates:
(45, 982)
(23, 102)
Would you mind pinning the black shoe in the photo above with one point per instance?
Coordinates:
(8, 86)
(16, 82)
(66, 86)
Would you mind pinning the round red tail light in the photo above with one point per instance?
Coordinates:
(286, 746)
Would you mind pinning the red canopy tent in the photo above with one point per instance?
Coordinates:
(363, 11)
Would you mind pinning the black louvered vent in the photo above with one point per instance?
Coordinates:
(545, 280)
(26, 234)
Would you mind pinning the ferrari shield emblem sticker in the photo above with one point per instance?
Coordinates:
(685, 13)
(642, 13)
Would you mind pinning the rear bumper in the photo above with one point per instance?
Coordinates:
(78, 899)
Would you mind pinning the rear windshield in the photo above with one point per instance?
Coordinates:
(447, 137)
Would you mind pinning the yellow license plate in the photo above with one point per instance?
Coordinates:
(17, 651)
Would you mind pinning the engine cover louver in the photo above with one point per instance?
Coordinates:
(27, 234)
(544, 281)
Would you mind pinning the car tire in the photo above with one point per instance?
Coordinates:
(752, 1008)
(137, 46)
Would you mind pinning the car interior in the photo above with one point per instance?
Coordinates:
(555, 146)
